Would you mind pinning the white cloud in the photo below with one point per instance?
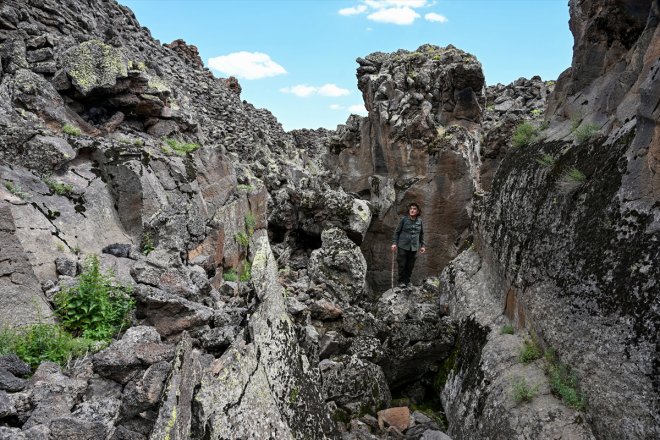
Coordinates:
(437, 18)
(358, 108)
(335, 107)
(246, 65)
(304, 90)
(332, 90)
(400, 16)
(301, 90)
(380, 4)
(359, 9)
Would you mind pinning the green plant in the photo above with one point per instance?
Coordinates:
(180, 148)
(60, 247)
(230, 275)
(293, 397)
(246, 188)
(550, 83)
(563, 383)
(138, 142)
(536, 112)
(242, 239)
(16, 190)
(250, 223)
(585, 132)
(546, 160)
(574, 175)
(524, 135)
(507, 329)
(59, 188)
(96, 307)
(71, 130)
(530, 351)
(147, 243)
(246, 272)
(43, 342)
(522, 391)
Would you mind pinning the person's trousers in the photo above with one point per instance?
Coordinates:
(406, 261)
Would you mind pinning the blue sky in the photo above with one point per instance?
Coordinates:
(297, 57)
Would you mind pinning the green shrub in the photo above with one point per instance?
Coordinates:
(138, 142)
(574, 175)
(530, 351)
(230, 275)
(96, 307)
(585, 132)
(250, 223)
(536, 112)
(246, 272)
(16, 190)
(59, 188)
(71, 130)
(246, 188)
(507, 329)
(147, 243)
(180, 148)
(563, 383)
(524, 135)
(44, 342)
(242, 239)
(522, 391)
(546, 160)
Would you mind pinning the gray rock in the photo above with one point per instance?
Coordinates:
(75, 429)
(14, 365)
(434, 435)
(6, 405)
(9, 382)
(355, 384)
(169, 313)
(66, 266)
(11, 433)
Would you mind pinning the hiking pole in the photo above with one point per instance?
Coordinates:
(392, 270)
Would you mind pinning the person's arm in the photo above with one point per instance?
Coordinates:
(397, 232)
(422, 247)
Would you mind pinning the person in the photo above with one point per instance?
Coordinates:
(408, 238)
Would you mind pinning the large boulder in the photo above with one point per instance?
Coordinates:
(340, 265)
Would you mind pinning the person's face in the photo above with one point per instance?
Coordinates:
(412, 211)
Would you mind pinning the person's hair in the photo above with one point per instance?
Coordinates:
(419, 210)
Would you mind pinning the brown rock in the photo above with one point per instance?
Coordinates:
(398, 417)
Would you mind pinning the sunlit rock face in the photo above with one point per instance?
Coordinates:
(418, 143)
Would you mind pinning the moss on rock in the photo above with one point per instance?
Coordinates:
(93, 64)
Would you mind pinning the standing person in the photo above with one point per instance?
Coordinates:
(408, 238)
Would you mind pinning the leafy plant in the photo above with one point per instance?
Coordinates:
(96, 307)
(575, 175)
(71, 130)
(250, 223)
(522, 391)
(147, 243)
(59, 188)
(138, 142)
(230, 275)
(246, 272)
(585, 132)
(44, 342)
(546, 160)
(524, 135)
(16, 190)
(563, 383)
(530, 351)
(507, 329)
(242, 239)
(536, 112)
(180, 148)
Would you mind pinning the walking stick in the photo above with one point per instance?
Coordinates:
(392, 270)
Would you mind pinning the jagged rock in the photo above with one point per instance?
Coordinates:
(66, 266)
(331, 343)
(434, 435)
(418, 337)
(354, 384)
(14, 365)
(75, 429)
(175, 415)
(139, 348)
(273, 390)
(478, 396)
(9, 382)
(23, 301)
(170, 314)
(94, 65)
(188, 52)
(339, 265)
(6, 406)
(11, 434)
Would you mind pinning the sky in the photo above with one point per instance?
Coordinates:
(296, 58)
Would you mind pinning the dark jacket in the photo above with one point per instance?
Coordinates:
(409, 235)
